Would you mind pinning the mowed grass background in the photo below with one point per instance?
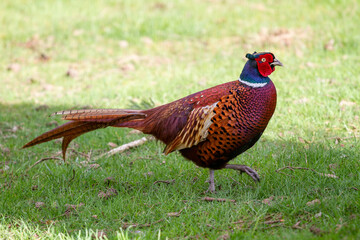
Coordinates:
(58, 55)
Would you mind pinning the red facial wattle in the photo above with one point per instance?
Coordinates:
(263, 63)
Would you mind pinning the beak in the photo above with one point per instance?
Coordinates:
(276, 63)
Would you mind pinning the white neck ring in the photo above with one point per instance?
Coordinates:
(254, 85)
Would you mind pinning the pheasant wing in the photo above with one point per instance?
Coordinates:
(195, 129)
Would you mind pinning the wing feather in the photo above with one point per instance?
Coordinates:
(195, 129)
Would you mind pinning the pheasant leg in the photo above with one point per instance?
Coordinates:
(245, 169)
(211, 181)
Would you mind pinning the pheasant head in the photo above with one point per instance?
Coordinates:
(259, 67)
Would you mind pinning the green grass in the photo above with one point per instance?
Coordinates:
(175, 48)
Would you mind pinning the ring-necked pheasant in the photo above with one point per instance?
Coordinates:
(209, 127)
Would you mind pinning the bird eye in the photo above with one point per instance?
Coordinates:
(263, 59)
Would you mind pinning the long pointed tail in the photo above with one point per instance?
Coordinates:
(83, 121)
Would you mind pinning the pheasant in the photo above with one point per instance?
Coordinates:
(209, 128)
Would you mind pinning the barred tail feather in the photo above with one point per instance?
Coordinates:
(97, 114)
(84, 121)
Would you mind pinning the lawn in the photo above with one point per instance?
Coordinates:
(58, 55)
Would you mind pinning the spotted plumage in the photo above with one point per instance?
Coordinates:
(238, 122)
(210, 127)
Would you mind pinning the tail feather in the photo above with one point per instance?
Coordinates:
(97, 114)
(84, 121)
(66, 141)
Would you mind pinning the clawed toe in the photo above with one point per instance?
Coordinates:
(211, 189)
(241, 168)
(253, 174)
(245, 169)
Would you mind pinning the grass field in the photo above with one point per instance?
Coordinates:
(58, 55)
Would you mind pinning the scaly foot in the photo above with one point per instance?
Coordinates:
(245, 169)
